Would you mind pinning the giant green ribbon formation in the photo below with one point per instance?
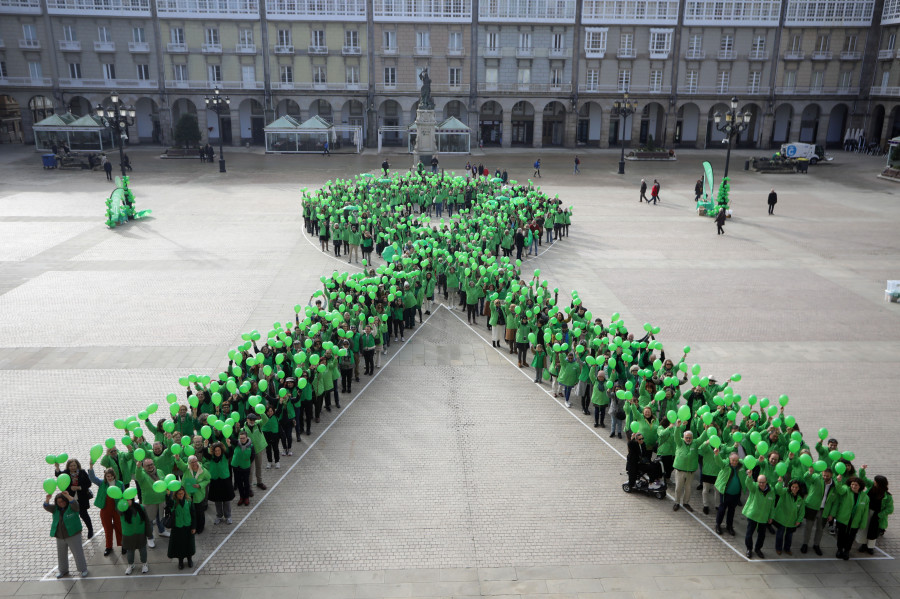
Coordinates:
(301, 354)
(120, 204)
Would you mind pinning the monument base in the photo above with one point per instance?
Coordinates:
(425, 146)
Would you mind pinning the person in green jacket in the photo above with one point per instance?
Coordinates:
(66, 529)
(196, 480)
(136, 530)
(759, 509)
(569, 369)
(181, 543)
(850, 511)
(685, 464)
(730, 482)
(819, 498)
(254, 427)
(789, 511)
(153, 501)
(600, 399)
(109, 515)
(354, 238)
(881, 505)
(241, 459)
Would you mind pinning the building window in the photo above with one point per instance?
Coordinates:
(103, 34)
(214, 73)
(660, 41)
(29, 32)
(351, 38)
(285, 38)
(818, 77)
(320, 75)
(595, 42)
(390, 76)
(822, 43)
(286, 73)
(493, 41)
(69, 33)
(390, 40)
(726, 45)
(722, 81)
(892, 41)
(796, 44)
(143, 72)
(624, 80)
(790, 80)
(423, 40)
(180, 72)
(352, 75)
(592, 80)
(626, 44)
(524, 41)
(176, 35)
(317, 38)
(455, 76)
(556, 77)
(754, 81)
(758, 49)
(455, 41)
(656, 77)
(695, 45)
(109, 71)
(691, 80)
(491, 75)
(212, 35)
(74, 70)
(137, 35)
(558, 42)
(3, 74)
(850, 42)
(248, 75)
(845, 80)
(245, 37)
(35, 71)
(524, 75)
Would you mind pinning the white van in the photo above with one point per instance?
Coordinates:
(810, 152)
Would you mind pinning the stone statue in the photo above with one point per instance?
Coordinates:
(425, 100)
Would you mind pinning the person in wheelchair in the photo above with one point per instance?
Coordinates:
(639, 462)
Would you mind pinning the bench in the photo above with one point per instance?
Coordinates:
(181, 153)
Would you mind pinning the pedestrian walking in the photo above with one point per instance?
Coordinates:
(720, 220)
(773, 199)
(434, 164)
(325, 151)
(537, 168)
(385, 166)
(107, 167)
(654, 192)
(577, 163)
(698, 190)
(210, 153)
(643, 192)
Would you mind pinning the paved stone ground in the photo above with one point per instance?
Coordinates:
(485, 485)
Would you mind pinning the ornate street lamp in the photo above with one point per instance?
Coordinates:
(623, 109)
(117, 117)
(732, 124)
(219, 104)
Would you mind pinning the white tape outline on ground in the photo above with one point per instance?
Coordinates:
(885, 556)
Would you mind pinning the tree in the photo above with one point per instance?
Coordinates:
(187, 131)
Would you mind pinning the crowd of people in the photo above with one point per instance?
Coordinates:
(159, 479)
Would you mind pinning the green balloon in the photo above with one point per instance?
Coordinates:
(762, 448)
(849, 456)
(49, 486)
(96, 452)
(781, 468)
(806, 460)
(139, 454)
(114, 492)
(794, 446)
(63, 481)
(671, 416)
(122, 504)
(51, 459)
(110, 443)
(715, 442)
(820, 466)
(129, 493)
(635, 427)
(159, 486)
(839, 467)
(823, 433)
(174, 485)
(750, 462)
(260, 408)
(684, 413)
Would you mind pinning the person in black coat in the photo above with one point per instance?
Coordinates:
(773, 199)
(720, 220)
(520, 243)
(80, 487)
(638, 461)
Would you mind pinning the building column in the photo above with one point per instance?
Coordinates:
(669, 133)
(763, 141)
(537, 130)
(702, 128)
(571, 128)
(203, 123)
(634, 142)
(371, 128)
(796, 118)
(822, 131)
(236, 134)
(506, 129)
(883, 139)
(605, 120)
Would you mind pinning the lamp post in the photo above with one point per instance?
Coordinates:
(734, 124)
(219, 104)
(117, 117)
(623, 109)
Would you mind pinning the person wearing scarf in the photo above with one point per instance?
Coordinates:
(109, 515)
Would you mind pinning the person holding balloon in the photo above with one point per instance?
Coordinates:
(789, 511)
(152, 499)
(242, 457)
(136, 531)
(80, 484)
(850, 511)
(109, 515)
(730, 483)
(221, 490)
(881, 505)
(66, 526)
(758, 509)
(196, 480)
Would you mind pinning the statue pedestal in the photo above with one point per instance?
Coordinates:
(426, 144)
